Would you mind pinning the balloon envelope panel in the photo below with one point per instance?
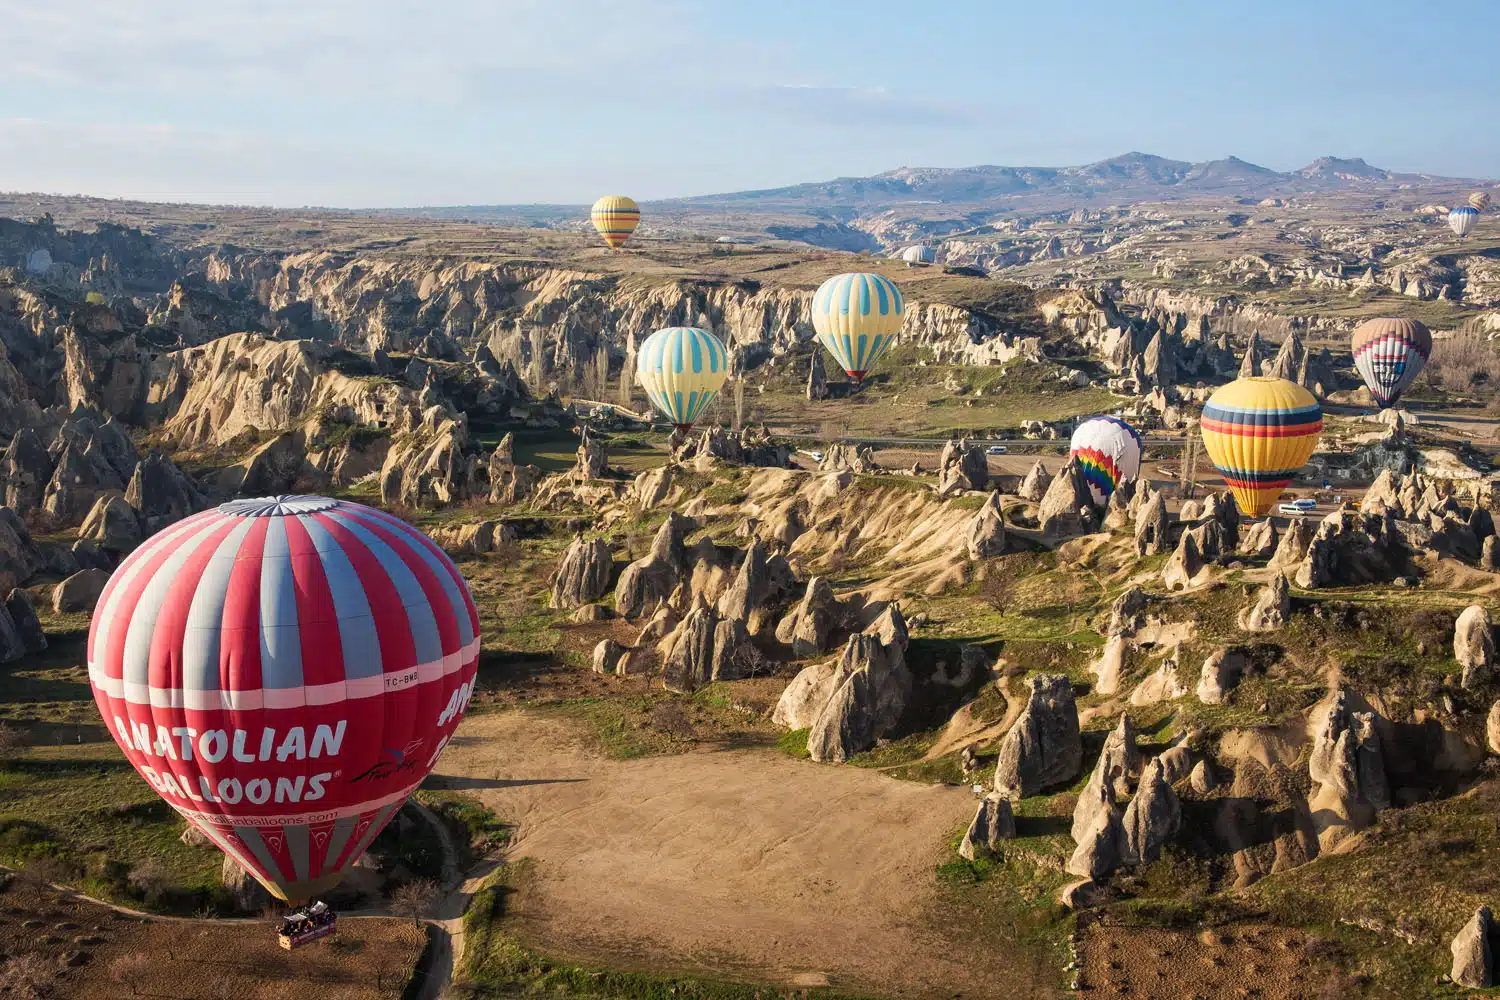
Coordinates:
(1108, 451)
(284, 672)
(857, 317)
(1258, 432)
(1389, 354)
(682, 369)
(615, 217)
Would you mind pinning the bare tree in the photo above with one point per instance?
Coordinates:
(130, 970)
(739, 403)
(414, 898)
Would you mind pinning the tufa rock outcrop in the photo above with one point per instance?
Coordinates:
(1271, 607)
(985, 535)
(1152, 818)
(993, 822)
(962, 466)
(583, 575)
(1068, 506)
(871, 688)
(1474, 646)
(652, 579)
(1473, 959)
(1044, 747)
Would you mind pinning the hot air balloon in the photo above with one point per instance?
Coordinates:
(1108, 451)
(615, 216)
(284, 672)
(856, 317)
(1479, 201)
(1258, 432)
(682, 369)
(1463, 219)
(919, 256)
(1389, 354)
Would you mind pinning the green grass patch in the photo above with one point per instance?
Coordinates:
(793, 743)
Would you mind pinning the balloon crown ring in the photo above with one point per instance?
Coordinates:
(286, 505)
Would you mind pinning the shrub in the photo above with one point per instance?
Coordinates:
(152, 880)
(130, 970)
(1463, 361)
(28, 976)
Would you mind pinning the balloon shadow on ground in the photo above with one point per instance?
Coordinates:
(456, 783)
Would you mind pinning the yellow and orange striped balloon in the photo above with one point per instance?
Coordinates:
(615, 216)
(1258, 432)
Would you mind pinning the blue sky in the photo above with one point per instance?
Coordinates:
(363, 103)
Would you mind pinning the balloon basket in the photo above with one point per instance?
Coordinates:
(305, 925)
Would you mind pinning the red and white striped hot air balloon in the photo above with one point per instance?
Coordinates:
(284, 672)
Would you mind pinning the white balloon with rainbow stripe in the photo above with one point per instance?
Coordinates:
(857, 317)
(682, 369)
(1108, 451)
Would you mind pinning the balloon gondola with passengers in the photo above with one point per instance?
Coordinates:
(306, 924)
(285, 672)
(682, 369)
(1258, 432)
(856, 317)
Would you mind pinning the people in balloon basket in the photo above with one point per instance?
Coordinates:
(304, 921)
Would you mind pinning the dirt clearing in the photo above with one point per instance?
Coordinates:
(741, 864)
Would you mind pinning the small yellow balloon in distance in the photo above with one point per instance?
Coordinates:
(615, 217)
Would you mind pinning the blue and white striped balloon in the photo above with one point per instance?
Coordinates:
(1463, 219)
(682, 369)
(857, 317)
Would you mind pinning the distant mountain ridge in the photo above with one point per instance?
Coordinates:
(1132, 177)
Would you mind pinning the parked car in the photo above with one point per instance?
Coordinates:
(1305, 503)
(816, 456)
(995, 449)
(1293, 509)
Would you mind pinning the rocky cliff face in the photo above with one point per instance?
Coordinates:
(436, 307)
(207, 396)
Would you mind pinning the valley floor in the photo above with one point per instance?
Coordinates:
(734, 864)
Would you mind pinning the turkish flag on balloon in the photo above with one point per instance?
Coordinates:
(285, 672)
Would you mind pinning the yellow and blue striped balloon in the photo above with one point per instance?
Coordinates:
(857, 317)
(682, 369)
(1258, 432)
(615, 217)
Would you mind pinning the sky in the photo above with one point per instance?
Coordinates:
(381, 103)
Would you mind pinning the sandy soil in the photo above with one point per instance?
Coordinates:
(740, 864)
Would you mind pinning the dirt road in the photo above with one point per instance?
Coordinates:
(737, 864)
